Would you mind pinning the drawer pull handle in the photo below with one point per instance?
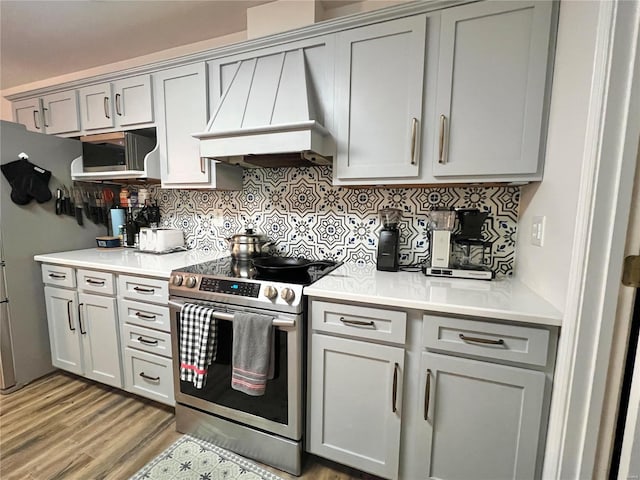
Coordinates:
(487, 341)
(71, 327)
(57, 276)
(357, 323)
(148, 342)
(144, 290)
(427, 394)
(146, 317)
(147, 377)
(95, 282)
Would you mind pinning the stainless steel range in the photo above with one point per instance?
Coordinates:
(268, 428)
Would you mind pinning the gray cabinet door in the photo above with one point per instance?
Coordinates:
(64, 331)
(98, 323)
(28, 113)
(352, 417)
(181, 106)
(379, 73)
(133, 100)
(479, 420)
(60, 112)
(96, 107)
(492, 73)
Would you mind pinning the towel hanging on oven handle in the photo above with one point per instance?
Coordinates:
(229, 316)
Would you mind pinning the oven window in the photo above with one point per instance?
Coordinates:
(273, 405)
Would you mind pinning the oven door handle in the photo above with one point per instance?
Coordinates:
(229, 316)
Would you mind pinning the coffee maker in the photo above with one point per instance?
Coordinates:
(459, 255)
(389, 240)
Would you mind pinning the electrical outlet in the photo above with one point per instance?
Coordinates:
(218, 217)
(537, 231)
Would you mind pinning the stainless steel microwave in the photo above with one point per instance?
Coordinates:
(117, 151)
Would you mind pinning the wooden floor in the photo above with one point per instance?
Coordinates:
(64, 427)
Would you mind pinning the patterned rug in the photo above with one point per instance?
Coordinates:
(193, 459)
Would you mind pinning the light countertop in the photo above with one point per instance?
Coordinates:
(126, 260)
(505, 299)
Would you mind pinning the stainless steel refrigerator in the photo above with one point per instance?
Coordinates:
(25, 231)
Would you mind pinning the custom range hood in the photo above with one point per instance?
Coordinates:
(266, 117)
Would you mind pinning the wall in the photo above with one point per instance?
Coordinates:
(546, 269)
(305, 215)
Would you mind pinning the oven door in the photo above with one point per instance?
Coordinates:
(279, 410)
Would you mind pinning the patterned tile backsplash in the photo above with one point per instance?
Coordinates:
(306, 216)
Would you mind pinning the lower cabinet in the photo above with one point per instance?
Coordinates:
(98, 323)
(453, 399)
(356, 406)
(479, 420)
(83, 332)
(146, 339)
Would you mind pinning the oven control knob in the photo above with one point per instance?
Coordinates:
(270, 292)
(190, 282)
(177, 280)
(287, 295)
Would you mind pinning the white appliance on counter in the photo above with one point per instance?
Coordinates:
(160, 240)
(28, 230)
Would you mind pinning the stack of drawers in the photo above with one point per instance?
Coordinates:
(146, 340)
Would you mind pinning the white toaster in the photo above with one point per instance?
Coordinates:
(160, 239)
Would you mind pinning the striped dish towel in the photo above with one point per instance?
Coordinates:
(198, 343)
(252, 352)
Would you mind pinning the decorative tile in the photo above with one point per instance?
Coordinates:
(305, 215)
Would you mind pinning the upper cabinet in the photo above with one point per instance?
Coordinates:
(379, 73)
(181, 106)
(120, 104)
(54, 114)
(490, 96)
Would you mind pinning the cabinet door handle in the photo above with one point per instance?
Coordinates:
(44, 116)
(118, 109)
(427, 394)
(95, 282)
(35, 119)
(487, 341)
(202, 165)
(57, 276)
(146, 317)
(106, 107)
(414, 138)
(144, 290)
(394, 395)
(443, 121)
(71, 327)
(83, 332)
(357, 323)
(147, 342)
(153, 379)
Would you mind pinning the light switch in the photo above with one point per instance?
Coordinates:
(537, 231)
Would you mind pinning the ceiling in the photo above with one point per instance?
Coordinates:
(44, 39)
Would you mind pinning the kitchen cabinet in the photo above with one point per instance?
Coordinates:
(54, 114)
(493, 70)
(355, 391)
(83, 326)
(181, 106)
(124, 103)
(471, 396)
(146, 340)
(379, 71)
